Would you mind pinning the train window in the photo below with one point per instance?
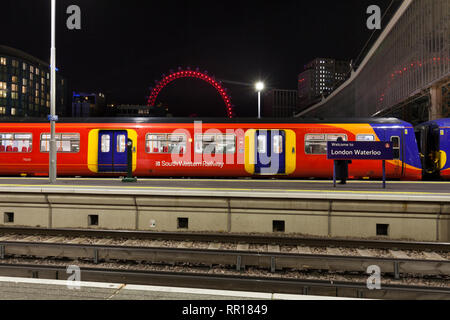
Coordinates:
(316, 144)
(396, 147)
(16, 142)
(65, 142)
(278, 144)
(165, 143)
(395, 142)
(215, 143)
(334, 137)
(365, 137)
(121, 143)
(106, 143)
(262, 144)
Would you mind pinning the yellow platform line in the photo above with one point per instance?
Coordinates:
(229, 189)
(233, 180)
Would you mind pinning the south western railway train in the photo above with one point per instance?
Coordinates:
(171, 147)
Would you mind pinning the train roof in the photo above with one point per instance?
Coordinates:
(445, 122)
(211, 120)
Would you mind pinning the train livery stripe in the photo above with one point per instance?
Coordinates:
(444, 145)
(291, 152)
(250, 160)
(442, 159)
(93, 150)
(132, 134)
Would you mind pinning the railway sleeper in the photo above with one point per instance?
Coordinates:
(240, 261)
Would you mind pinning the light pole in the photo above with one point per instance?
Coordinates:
(52, 118)
(259, 87)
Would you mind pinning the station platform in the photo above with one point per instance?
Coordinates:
(40, 289)
(395, 190)
(405, 210)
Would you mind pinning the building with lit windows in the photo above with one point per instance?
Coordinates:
(88, 105)
(25, 86)
(320, 78)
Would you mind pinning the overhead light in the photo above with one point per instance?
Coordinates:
(259, 86)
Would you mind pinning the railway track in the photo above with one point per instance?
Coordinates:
(238, 259)
(231, 282)
(231, 238)
(238, 253)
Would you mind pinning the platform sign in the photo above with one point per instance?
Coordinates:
(52, 118)
(359, 150)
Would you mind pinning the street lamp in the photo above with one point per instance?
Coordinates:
(52, 117)
(259, 87)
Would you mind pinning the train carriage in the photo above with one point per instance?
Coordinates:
(434, 147)
(171, 147)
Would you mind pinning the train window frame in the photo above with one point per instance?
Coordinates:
(278, 142)
(105, 141)
(121, 143)
(14, 139)
(167, 140)
(75, 144)
(199, 143)
(396, 148)
(322, 142)
(262, 144)
(365, 135)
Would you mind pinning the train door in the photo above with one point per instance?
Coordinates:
(270, 152)
(112, 151)
(435, 153)
(396, 148)
(421, 133)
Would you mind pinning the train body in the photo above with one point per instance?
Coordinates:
(171, 147)
(434, 146)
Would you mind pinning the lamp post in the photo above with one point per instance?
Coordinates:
(52, 117)
(259, 87)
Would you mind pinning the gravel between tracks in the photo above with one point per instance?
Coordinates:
(439, 282)
(378, 253)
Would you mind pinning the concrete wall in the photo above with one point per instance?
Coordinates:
(425, 221)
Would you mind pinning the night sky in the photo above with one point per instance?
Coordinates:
(125, 45)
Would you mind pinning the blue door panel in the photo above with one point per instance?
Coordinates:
(120, 158)
(263, 151)
(105, 155)
(270, 152)
(112, 152)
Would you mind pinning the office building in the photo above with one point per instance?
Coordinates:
(25, 86)
(88, 105)
(320, 78)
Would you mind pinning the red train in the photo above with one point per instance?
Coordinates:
(208, 148)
